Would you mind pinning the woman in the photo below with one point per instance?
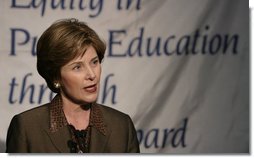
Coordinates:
(69, 55)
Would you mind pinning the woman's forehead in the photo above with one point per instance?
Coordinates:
(87, 52)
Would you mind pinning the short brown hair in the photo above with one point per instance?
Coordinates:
(63, 41)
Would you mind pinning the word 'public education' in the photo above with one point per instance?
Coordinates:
(121, 44)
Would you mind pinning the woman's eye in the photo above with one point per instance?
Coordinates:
(77, 67)
(95, 61)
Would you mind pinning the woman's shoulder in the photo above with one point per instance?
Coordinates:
(34, 114)
(108, 111)
(113, 116)
(120, 124)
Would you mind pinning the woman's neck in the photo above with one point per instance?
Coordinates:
(76, 114)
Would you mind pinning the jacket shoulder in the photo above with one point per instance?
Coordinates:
(115, 118)
(34, 115)
(121, 130)
(111, 113)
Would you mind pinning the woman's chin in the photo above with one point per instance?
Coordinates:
(90, 99)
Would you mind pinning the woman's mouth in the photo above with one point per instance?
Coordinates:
(91, 88)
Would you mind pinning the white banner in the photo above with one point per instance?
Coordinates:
(179, 68)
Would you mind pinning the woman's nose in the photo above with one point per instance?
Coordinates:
(90, 75)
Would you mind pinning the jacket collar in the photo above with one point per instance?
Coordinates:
(58, 119)
(56, 114)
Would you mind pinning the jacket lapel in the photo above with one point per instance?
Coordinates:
(98, 141)
(60, 139)
(58, 131)
(99, 133)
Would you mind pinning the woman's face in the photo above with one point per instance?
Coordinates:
(80, 78)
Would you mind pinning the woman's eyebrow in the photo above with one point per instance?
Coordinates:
(74, 63)
(94, 58)
(80, 61)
